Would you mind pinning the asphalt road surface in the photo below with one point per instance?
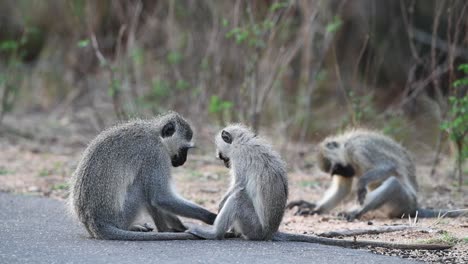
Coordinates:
(38, 230)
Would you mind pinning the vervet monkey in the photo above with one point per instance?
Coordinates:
(383, 169)
(255, 202)
(127, 169)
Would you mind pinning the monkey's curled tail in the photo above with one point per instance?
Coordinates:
(430, 213)
(280, 236)
(110, 232)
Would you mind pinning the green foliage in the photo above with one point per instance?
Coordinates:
(174, 57)
(279, 5)
(444, 238)
(252, 34)
(83, 43)
(44, 173)
(361, 109)
(160, 88)
(219, 107)
(182, 85)
(4, 171)
(334, 25)
(137, 56)
(456, 124)
(395, 127)
(60, 186)
(10, 79)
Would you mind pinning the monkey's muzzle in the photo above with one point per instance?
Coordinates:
(224, 159)
(180, 158)
(345, 171)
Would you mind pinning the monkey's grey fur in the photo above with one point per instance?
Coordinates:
(255, 202)
(127, 169)
(384, 170)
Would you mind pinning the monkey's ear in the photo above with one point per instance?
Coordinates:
(332, 145)
(226, 136)
(168, 130)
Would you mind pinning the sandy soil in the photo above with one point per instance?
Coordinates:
(38, 171)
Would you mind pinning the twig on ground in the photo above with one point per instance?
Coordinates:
(365, 231)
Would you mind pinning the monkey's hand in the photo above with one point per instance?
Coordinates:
(351, 216)
(304, 208)
(202, 232)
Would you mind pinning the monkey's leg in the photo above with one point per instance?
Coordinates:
(390, 191)
(376, 175)
(339, 189)
(224, 221)
(165, 222)
(131, 209)
(247, 221)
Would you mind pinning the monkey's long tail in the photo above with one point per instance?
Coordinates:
(429, 213)
(280, 236)
(110, 232)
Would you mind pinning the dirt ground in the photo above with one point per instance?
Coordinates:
(35, 167)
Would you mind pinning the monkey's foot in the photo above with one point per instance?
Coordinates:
(362, 192)
(303, 207)
(202, 232)
(141, 228)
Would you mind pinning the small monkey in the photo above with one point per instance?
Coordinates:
(383, 169)
(127, 169)
(255, 203)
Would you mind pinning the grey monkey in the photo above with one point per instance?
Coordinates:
(126, 170)
(384, 171)
(255, 203)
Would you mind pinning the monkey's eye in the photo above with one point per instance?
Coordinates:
(168, 130)
(332, 145)
(226, 137)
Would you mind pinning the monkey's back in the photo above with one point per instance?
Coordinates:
(268, 184)
(109, 166)
(368, 149)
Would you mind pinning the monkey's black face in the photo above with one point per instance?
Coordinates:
(225, 160)
(345, 171)
(180, 158)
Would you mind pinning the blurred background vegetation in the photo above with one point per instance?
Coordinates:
(295, 70)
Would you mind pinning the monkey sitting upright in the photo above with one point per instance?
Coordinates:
(385, 174)
(127, 169)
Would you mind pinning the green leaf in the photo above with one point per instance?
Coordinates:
(463, 67)
(182, 84)
(225, 22)
(335, 25)
(83, 43)
(160, 88)
(277, 6)
(174, 57)
(9, 45)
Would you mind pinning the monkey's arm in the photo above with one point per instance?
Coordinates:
(377, 175)
(171, 202)
(339, 189)
(162, 195)
(226, 196)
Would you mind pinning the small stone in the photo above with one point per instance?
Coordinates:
(33, 189)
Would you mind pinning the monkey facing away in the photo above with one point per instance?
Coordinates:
(385, 174)
(255, 203)
(127, 169)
